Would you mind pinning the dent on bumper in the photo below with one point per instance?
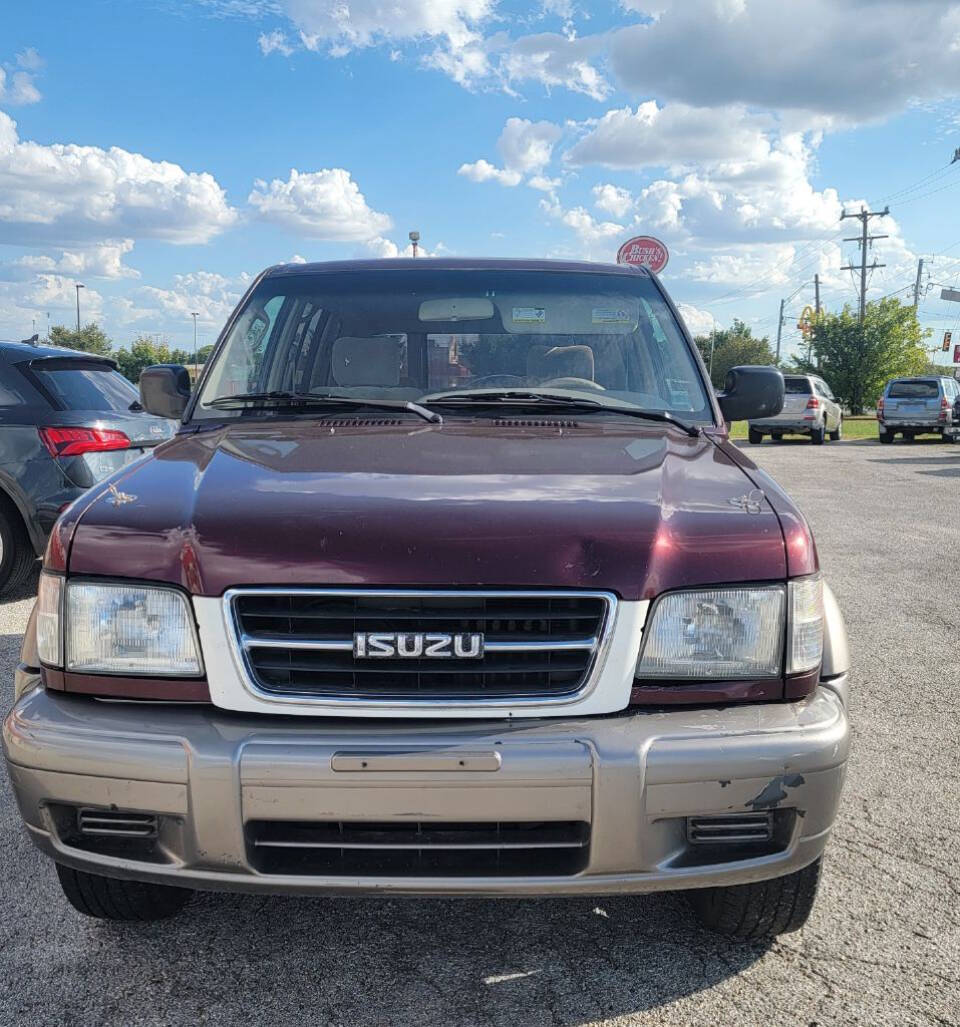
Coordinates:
(633, 778)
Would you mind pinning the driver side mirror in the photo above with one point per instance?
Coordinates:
(165, 390)
(751, 392)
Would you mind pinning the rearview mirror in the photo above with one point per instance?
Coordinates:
(165, 390)
(751, 392)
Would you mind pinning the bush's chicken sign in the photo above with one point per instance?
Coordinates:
(644, 251)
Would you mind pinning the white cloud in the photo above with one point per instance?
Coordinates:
(554, 60)
(386, 248)
(66, 194)
(765, 198)
(483, 171)
(527, 145)
(613, 199)
(325, 204)
(698, 322)
(18, 79)
(342, 27)
(24, 305)
(544, 184)
(598, 239)
(213, 296)
(18, 89)
(103, 260)
(851, 58)
(275, 42)
(652, 136)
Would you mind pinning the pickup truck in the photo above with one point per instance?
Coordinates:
(450, 583)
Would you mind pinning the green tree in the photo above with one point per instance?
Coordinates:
(90, 339)
(203, 354)
(857, 360)
(143, 352)
(731, 347)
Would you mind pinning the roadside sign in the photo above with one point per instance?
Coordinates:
(644, 251)
(947, 336)
(805, 324)
(950, 294)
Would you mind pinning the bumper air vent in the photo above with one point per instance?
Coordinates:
(418, 849)
(730, 829)
(116, 823)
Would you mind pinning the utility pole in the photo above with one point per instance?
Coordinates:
(916, 284)
(780, 328)
(864, 240)
(816, 292)
(78, 287)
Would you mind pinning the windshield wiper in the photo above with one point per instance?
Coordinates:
(282, 398)
(546, 399)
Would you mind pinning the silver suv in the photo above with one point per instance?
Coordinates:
(809, 408)
(917, 406)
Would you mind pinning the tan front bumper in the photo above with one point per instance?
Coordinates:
(633, 778)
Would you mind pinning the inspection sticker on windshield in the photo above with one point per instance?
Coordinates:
(529, 315)
(611, 316)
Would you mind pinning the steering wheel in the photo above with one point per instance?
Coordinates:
(573, 383)
(497, 379)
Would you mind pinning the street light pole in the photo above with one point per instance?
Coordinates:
(78, 287)
(195, 315)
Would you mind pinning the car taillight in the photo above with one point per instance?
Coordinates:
(880, 408)
(813, 403)
(944, 408)
(62, 442)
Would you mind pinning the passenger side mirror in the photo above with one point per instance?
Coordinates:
(165, 390)
(751, 392)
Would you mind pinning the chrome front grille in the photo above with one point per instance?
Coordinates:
(535, 645)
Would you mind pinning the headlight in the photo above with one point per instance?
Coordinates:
(117, 629)
(736, 632)
(715, 633)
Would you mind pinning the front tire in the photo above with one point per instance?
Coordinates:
(16, 552)
(836, 436)
(761, 909)
(756, 437)
(817, 435)
(107, 898)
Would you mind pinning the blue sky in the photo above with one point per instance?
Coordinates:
(162, 152)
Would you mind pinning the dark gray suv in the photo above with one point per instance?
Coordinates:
(67, 420)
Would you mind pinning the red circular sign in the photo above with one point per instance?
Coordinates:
(644, 251)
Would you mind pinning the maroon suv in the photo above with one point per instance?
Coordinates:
(450, 583)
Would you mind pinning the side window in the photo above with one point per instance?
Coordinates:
(239, 371)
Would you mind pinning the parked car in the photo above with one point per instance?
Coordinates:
(919, 406)
(809, 408)
(450, 584)
(67, 420)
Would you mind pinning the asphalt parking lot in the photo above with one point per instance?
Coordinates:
(882, 947)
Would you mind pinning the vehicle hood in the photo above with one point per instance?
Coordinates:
(635, 511)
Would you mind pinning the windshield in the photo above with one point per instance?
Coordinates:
(408, 335)
(85, 388)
